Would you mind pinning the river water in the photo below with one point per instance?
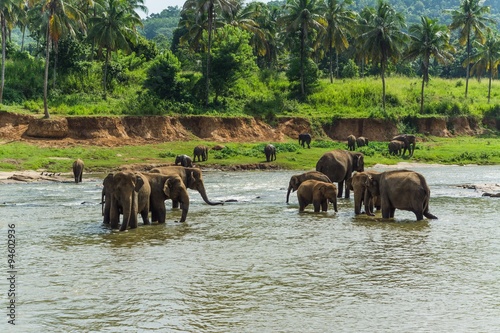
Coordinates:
(255, 265)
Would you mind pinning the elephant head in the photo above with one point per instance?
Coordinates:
(174, 189)
(124, 187)
(358, 183)
(324, 193)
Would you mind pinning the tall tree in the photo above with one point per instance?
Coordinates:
(429, 39)
(59, 18)
(384, 39)
(203, 11)
(487, 58)
(113, 28)
(9, 10)
(302, 17)
(470, 19)
(340, 21)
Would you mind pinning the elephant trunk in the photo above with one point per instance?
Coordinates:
(288, 193)
(185, 209)
(203, 193)
(367, 201)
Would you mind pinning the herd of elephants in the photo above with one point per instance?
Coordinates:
(130, 193)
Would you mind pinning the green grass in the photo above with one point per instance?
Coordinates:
(460, 150)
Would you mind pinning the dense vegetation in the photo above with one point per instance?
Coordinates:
(312, 58)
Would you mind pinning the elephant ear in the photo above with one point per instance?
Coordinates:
(138, 183)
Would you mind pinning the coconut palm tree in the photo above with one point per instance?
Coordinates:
(302, 17)
(384, 38)
(113, 28)
(203, 12)
(340, 21)
(487, 58)
(470, 19)
(429, 39)
(59, 18)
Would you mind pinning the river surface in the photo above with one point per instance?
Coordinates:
(255, 265)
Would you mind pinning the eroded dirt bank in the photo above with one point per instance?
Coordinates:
(131, 130)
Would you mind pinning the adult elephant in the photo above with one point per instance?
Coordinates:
(165, 187)
(270, 151)
(183, 160)
(357, 183)
(200, 152)
(401, 189)
(296, 180)
(191, 177)
(318, 193)
(78, 170)
(305, 139)
(126, 193)
(409, 143)
(351, 142)
(361, 141)
(395, 147)
(339, 165)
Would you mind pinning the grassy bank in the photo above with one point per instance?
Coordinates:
(22, 156)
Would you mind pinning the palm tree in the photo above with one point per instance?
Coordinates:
(340, 21)
(487, 58)
(203, 11)
(303, 16)
(59, 18)
(470, 19)
(384, 39)
(113, 28)
(429, 39)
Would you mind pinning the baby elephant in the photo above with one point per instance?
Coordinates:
(318, 193)
(184, 160)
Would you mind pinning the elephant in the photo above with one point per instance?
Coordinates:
(126, 193)
(361, 141)
(339, 165)
(163, 188)
(395, 147)
(318, 193)
(401, 189)
(270, 152)
(78, 170)
(409, 142)
(357, 183)
(191, 177)
(351, 142)
(296, 180)
(184, 160)
(305, 138)
(200, 152)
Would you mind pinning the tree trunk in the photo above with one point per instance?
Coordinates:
(105, 78)
(331, 64)
(336, 64)
(382, 74)
(489, 83)
(55, 66)
(468, 65)
(46, 77)
(302, 47)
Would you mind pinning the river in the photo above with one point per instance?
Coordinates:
(255, 265)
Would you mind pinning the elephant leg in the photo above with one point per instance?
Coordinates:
(340, 189)
(419, 215)
(145, 217)
(114, 218)
(316, 205)
(324, 205)
(391, 212)
(175, 204)
(302, 205)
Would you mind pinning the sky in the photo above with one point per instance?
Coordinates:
(156, 6)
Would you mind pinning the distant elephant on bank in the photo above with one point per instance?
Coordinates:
(126, 193)
(357, 183)
(305, 139)
(318, 193)
(361, 141)
(409, 143)
(338, 165)
(270, 152)
(395, 147)
(164, 188)
(200, 152)
(183, 160)
(401, 189)
(296, 180)
(351, 142)
(78, 170)
(191, 177)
